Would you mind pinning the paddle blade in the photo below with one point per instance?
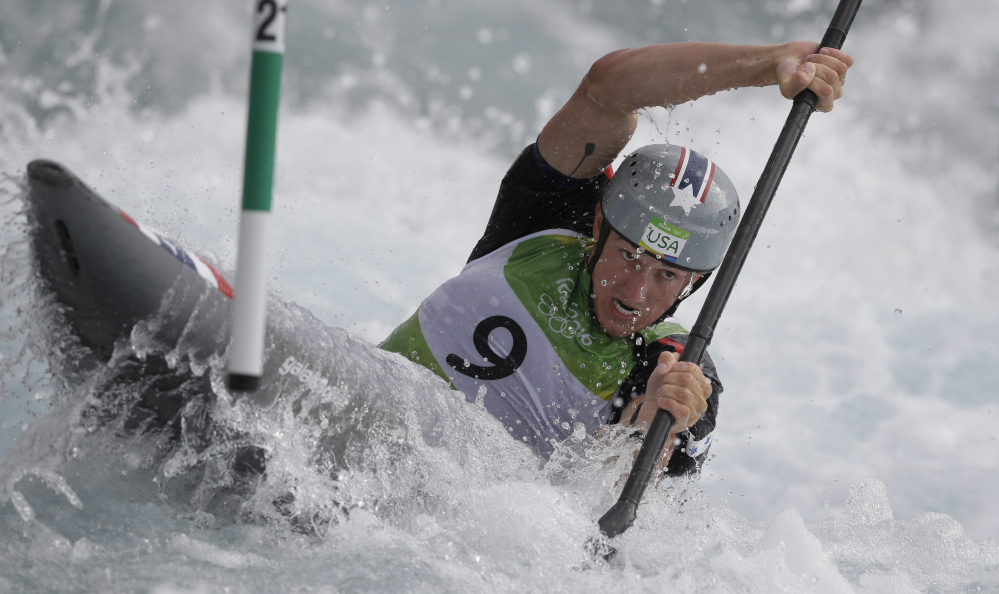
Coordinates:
(618, 518)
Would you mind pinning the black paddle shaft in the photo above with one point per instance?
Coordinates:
(620, 517)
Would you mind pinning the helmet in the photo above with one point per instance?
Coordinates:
(674, 203)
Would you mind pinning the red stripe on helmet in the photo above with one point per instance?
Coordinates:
(707, 184)
(679, 166)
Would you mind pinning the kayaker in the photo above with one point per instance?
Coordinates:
(561, 320)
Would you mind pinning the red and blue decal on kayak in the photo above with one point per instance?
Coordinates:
(204, 270)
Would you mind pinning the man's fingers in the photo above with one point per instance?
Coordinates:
(669, 358)
(839, 67)
(831, 66)
(685, 369)
(792, 77)
(821, 79)
(686, 412)
(692, 398)
(678, 387)
(826, 94)
(823, 72)
(838, 54)
(685, 398)
(683, 410)
(665, 366)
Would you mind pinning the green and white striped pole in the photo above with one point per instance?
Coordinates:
(246, 353)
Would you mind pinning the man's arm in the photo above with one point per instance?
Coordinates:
(602, 111)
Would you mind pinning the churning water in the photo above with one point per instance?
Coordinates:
(857, 440)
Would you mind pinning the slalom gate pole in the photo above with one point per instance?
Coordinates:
(246, 352)
(620, 517)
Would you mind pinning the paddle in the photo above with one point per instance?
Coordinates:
(246, 354)
(620, 517)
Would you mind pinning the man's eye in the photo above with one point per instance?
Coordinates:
(629, 255)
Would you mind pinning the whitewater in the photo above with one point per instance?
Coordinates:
(856, 448)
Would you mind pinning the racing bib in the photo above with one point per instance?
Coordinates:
(514, 331)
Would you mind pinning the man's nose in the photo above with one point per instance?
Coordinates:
(636, 285)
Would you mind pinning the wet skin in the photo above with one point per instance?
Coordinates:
(632, 288)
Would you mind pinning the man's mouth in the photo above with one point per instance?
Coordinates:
(624, 309)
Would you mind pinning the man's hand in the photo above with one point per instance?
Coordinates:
(680, 388)
(823, 72)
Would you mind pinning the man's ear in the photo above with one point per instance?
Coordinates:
(598, 220)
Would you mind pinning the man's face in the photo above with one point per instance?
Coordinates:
(633, 289)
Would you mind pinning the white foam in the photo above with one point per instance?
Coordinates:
(886, 207)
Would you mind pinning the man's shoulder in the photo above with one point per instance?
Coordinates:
(535, 197)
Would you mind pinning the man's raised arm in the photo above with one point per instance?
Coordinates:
(602, 111)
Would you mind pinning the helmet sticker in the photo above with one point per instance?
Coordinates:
(664, 239)
(692, 180)
(698, 200)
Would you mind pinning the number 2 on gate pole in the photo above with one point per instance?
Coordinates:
(246, 351)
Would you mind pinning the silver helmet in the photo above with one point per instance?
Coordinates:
(674, 203)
